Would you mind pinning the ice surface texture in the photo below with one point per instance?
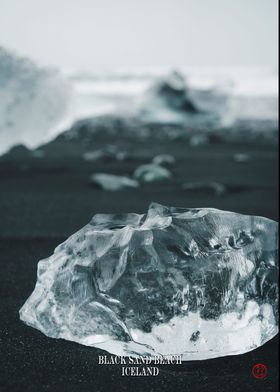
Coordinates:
(196, 282)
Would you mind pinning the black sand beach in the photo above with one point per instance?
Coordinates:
(44, 200)
(105, 108)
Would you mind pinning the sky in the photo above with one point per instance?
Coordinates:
(141, 33)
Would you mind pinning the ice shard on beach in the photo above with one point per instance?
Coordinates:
(111, 182)
(151, 172)
(201, 283)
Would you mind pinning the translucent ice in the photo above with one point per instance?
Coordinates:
(196, 282)
(241, 158)
(33, 101)
(109, 152)
(151, 173)
(172, 92)
(164, 159)
(111, 182)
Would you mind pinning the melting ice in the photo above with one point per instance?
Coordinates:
(201, 283)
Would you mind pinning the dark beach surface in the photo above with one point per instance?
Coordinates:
(46, 196)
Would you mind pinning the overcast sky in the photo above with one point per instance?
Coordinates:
(97, 33)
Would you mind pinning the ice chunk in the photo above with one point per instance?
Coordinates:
(164, 159)
(168, 100)
(172, 91)
(111, 182)
(93, 155)
(33, 101)
(199, 139)
(151, 173)
(37, 153)
(241, 158)
(197, 282)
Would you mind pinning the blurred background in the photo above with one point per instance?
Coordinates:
(109, 106)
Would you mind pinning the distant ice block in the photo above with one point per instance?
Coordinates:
(164, 159)
(111, 182)
(201, 283)
(167, 99)
(152, 172)
(33, 101)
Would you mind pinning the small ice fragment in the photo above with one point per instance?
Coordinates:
(38, 153)
(93, 155)
(193, 282)
(108, 152)
(241, 158)
(164, 159)
(111, 182)
(151, 173)
(199, 139)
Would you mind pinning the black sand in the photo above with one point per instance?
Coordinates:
(44, 200)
